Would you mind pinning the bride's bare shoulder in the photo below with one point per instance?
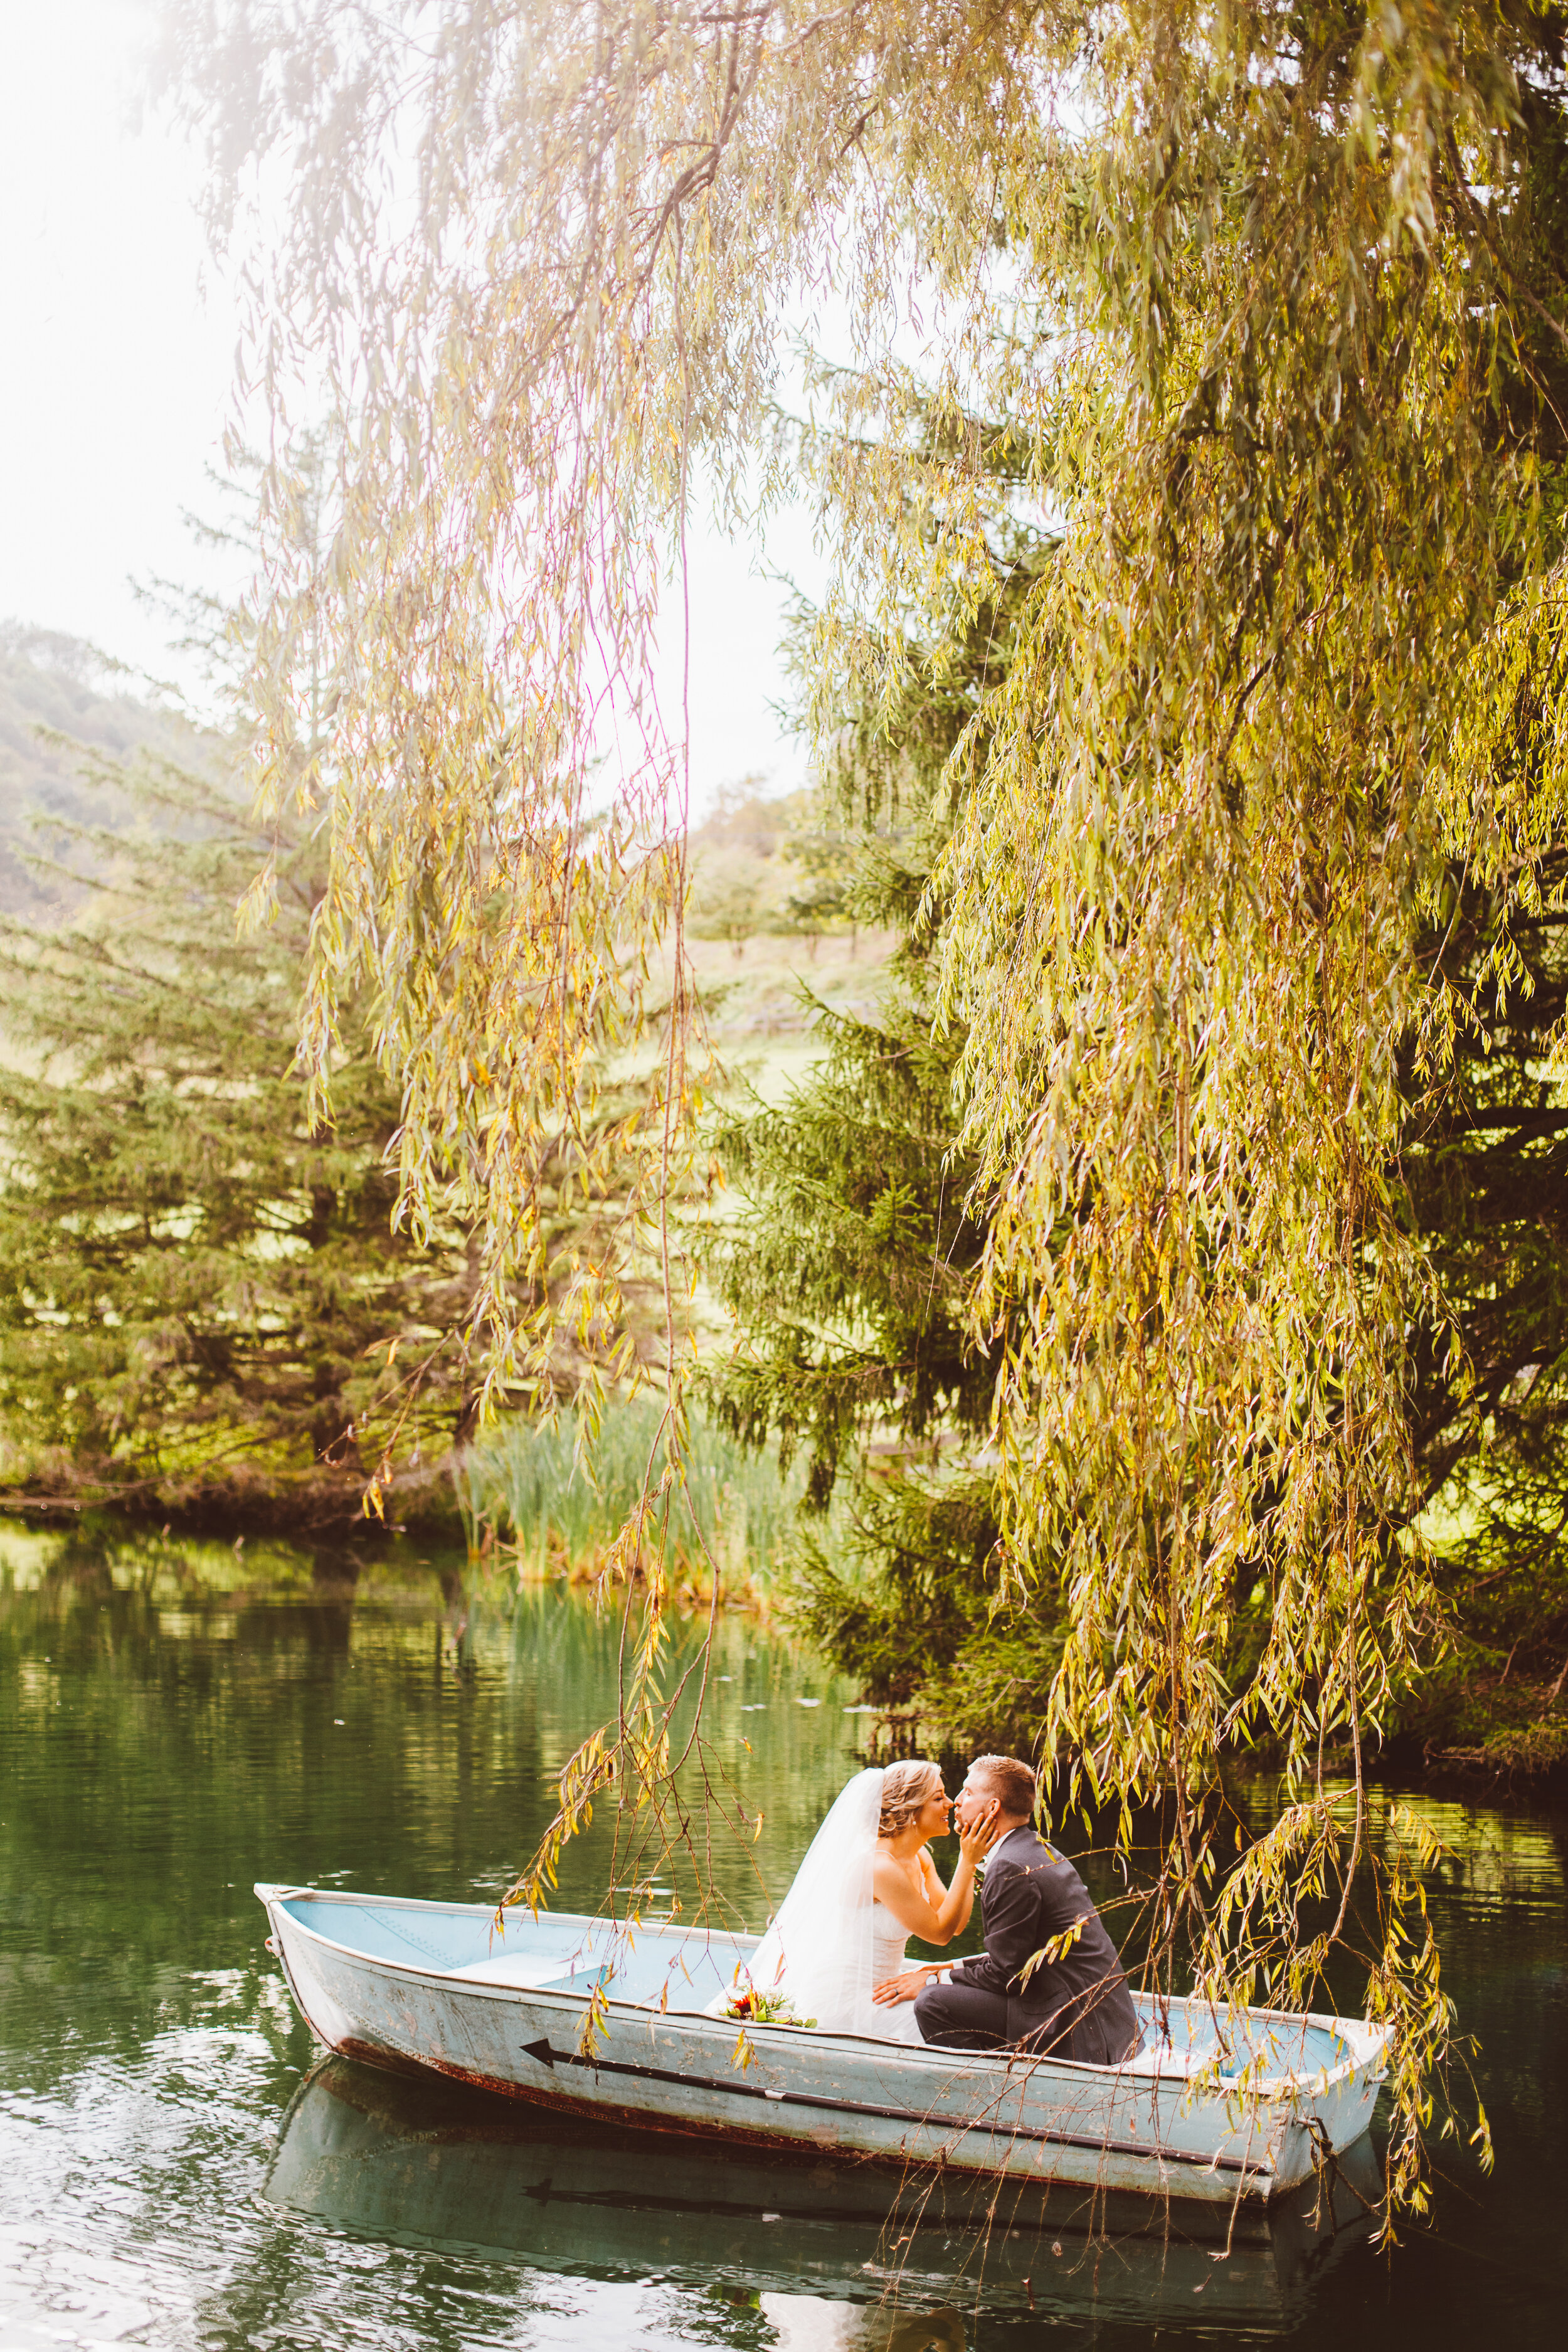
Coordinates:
(889, 1876)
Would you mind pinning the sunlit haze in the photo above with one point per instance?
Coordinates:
(119, 342)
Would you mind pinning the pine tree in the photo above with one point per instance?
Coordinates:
(1486, 1167)
(201, 1298)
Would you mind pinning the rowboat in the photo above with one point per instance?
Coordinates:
(593, 2017)
(413, 2161)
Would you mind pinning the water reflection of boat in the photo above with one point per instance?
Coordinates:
(842, 2254)
(585, 2016)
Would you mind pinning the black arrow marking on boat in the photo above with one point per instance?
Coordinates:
(551, 2057)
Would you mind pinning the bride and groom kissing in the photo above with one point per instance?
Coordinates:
(1048, 1979)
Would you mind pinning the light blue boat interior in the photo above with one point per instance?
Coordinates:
(685, 1969)
(1229, 2042)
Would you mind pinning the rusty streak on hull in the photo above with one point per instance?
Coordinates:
(1097, 2141)
(604, 2111)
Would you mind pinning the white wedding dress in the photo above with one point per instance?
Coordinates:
(889, 1958)
(832, 1940)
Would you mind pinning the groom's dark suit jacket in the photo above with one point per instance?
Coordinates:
(1079, 2005)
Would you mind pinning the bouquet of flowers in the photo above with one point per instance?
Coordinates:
(751, 2005)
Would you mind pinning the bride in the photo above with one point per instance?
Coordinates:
(837, 1948)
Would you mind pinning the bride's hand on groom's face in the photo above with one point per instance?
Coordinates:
(976, 1837)
(897, 1989)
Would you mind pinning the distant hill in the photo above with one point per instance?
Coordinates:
(52, 681)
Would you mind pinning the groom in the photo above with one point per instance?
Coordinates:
(1076, 2005)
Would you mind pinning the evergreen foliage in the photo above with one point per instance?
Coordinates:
(848, 1274)
(1487, 1166)
(201, 1298)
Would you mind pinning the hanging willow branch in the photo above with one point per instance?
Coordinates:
(1269, 304)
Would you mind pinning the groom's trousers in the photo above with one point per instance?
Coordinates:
(962, 2016)
(1097, 2025)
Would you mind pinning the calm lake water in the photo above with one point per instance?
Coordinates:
(177, 2168)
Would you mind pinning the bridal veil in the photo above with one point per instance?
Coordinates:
(819, 1949)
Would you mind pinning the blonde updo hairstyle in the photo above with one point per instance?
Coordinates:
(908, 1787)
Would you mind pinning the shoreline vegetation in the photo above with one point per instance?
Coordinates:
(529, 1505)
(813, 1000)
(208, 1314)
(553, 1502)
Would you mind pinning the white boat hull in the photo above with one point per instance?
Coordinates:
(376, 1979)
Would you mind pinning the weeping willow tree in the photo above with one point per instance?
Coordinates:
(848, 1260)
(1267, 300)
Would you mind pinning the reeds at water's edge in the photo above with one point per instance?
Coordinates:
(523, 1487)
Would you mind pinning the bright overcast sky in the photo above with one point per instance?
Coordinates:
(117, 374)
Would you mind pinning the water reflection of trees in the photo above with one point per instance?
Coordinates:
(189, 1716)
(182, 1719)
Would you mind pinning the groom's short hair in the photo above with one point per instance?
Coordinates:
(1010, 1781)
